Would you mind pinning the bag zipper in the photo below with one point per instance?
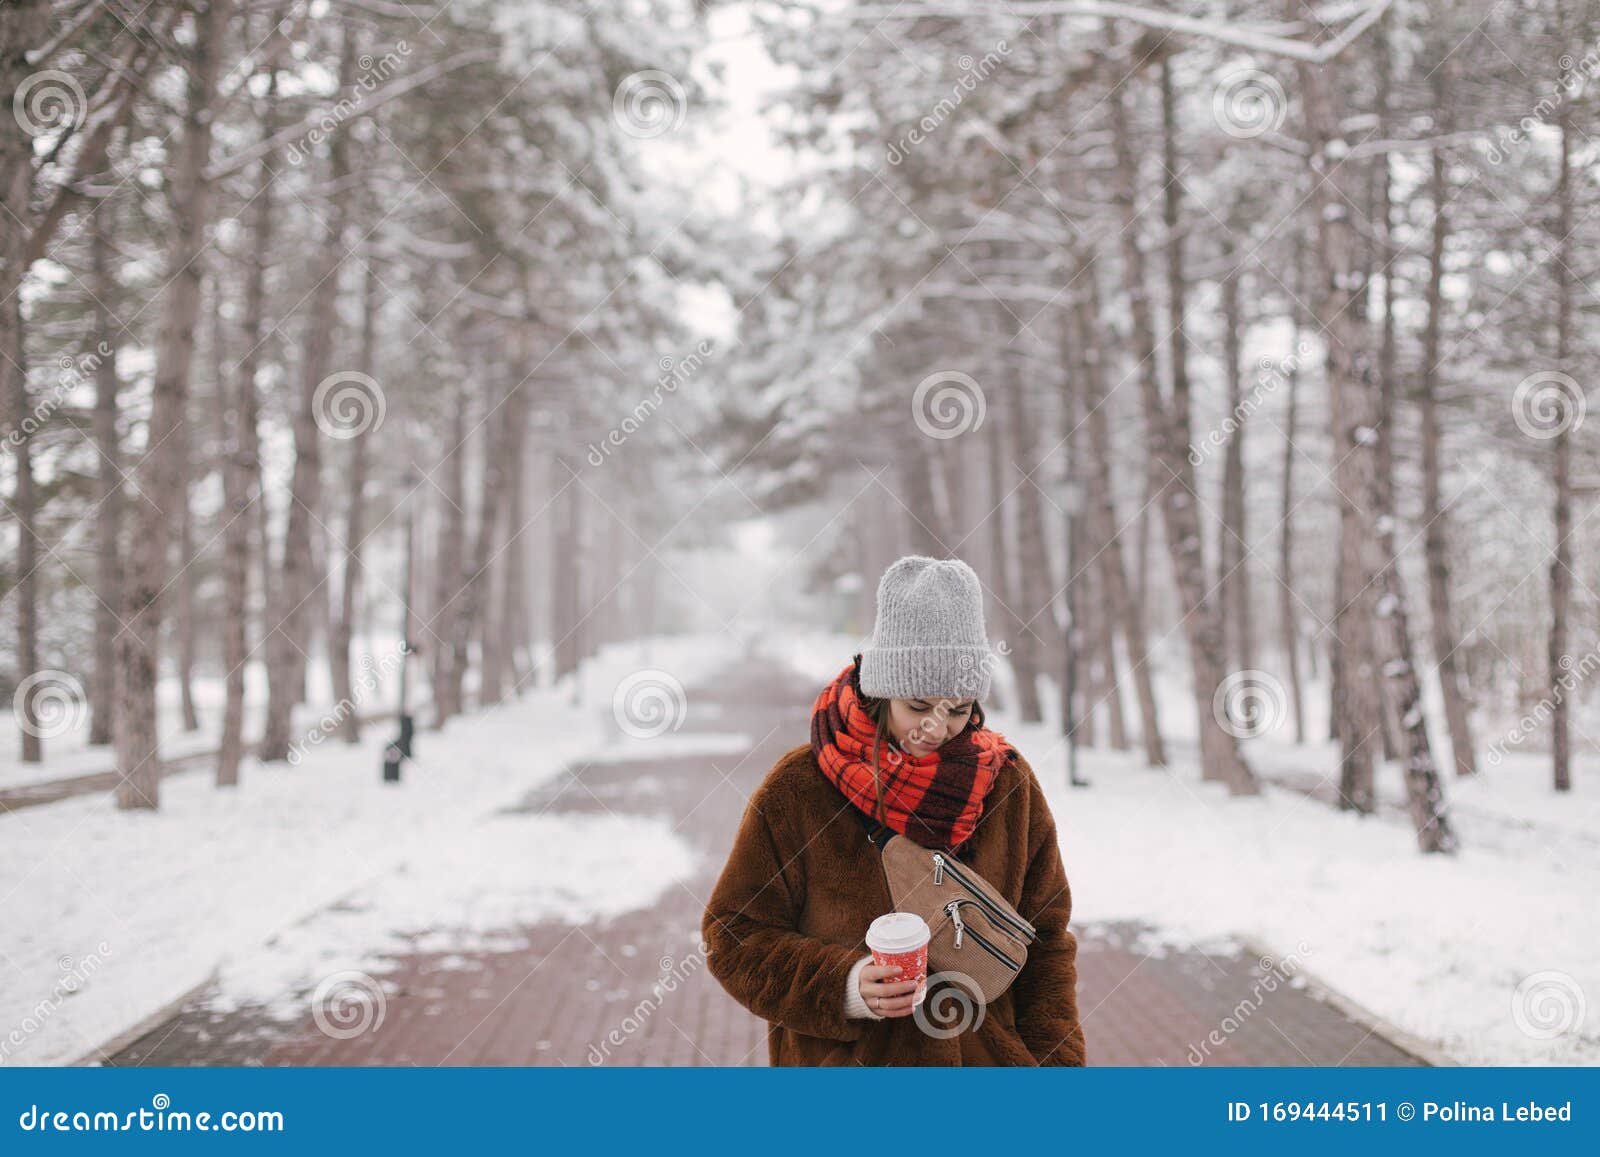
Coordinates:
(941, 864)
(954, 908)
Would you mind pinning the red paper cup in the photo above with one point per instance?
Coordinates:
(901, 939)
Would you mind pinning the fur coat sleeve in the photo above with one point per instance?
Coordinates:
(782, 976)
(1045, 991)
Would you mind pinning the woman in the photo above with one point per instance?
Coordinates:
(898, 735)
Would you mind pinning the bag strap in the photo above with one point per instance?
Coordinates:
(877, 834)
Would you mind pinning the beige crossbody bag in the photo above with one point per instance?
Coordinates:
(979, 940)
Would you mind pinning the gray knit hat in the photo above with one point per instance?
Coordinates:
(929, 640)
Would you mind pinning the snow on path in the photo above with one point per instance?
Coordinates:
(106, 916)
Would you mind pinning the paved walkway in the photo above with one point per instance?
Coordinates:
(584, 995)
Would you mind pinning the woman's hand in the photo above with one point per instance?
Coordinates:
(885, 995)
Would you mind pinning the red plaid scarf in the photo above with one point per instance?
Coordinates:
(935, 799)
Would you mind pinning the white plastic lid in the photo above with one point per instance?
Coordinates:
(897, 932)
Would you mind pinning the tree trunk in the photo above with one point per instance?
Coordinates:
(1336, 623)
(916, 479)
(513, 593)
(160, 484)
(108, 481)
(1108, 687)
(1434, 833)
(1034, 589)
(291, 626)
(23, 26)
(476, 589)
(1094, 685)
(565, 565)
(355, 529)
(1233, 582)
(1379, 250)
(1436, 532)
(1372, 538)
(235, 548)
(1423, 792)
(1353, 406)
(1169, 440)
(244, 541)
(186, 576)
(1288, 616)
(1024, 655)
(487, 556)
(447, 613)
(1126, 606)
(1559, 662)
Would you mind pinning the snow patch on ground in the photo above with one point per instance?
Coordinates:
(1482, 954)
(106, 917)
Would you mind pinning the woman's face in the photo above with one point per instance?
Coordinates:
(919, 726)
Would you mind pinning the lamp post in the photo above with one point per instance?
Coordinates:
(1071, 494)
(400, 749)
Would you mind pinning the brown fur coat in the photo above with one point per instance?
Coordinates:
(789, 914)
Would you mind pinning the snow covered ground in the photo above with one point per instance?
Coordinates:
(66, 728)
(1486, 954)
(109, 916)
(1492, 955)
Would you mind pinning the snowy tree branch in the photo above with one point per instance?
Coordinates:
(1255, 39)
(444, 67)
(66, 36)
